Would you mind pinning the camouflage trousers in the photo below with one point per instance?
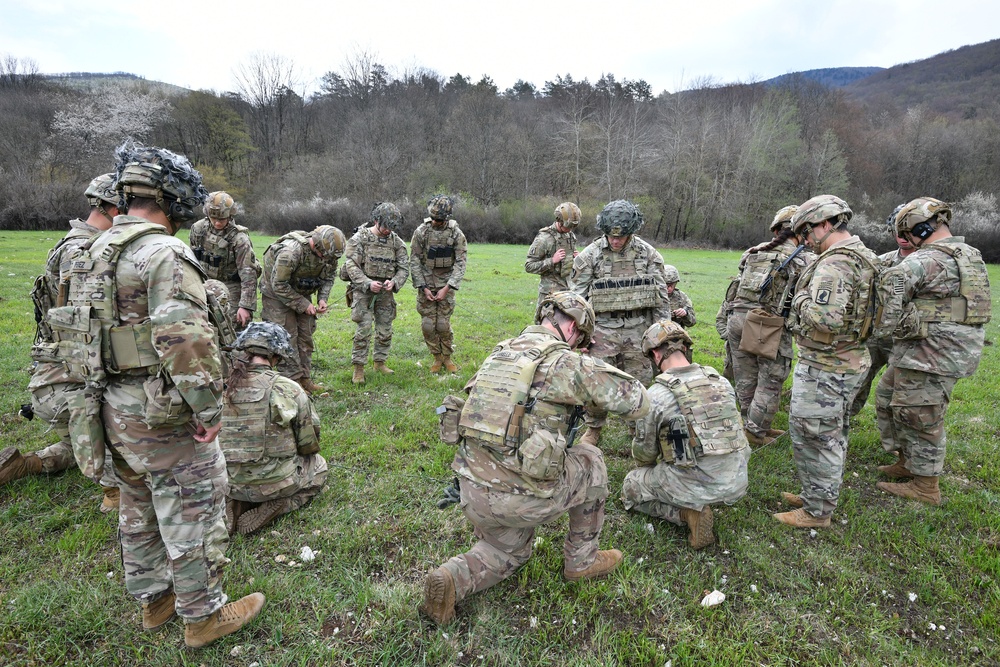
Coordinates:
(382, 314)
(305, 482)
(505, 523)
(435, 322)
(300, 328)
(235, 290)
(911, 406)
(879, 350)
(622, 348)
(758, 380)
(172, 516)
(663, 490)
(819, 423)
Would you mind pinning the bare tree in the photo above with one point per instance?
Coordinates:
(267, 85)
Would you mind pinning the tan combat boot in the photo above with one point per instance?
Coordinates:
(800, 518)
(591, 437)
(382, 368)
(224, 622)
(896, 469)
(438, 362)
(774, 433)
(924, 489)
(253, 520)
(450, 365)
(14, 466)
(359, 374)
(112, 499)
(792, 499)
(604, 564)
(700, 525)
(158, 612)
(439, 596)
(756, 440)
(310, 386)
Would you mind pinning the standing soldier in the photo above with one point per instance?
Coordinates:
(49, 379)
(226, 253)
(517, 465)
(621, 276)
(691, 445)
(149, 353)
(831, 315)
(437, 266)
(767, 277)
(940, 295)
(296, 266)
(552, 252)
(681, 308)
(376, 264)
(722, 328)
(270, 434)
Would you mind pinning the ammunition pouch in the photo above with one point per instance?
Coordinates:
(542, 455)
(448, 414)
(440, 257)
(624, 294)
(86, 428)
(762, 334)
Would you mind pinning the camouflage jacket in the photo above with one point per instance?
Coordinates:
(227, 255)
(367, 253)
(428, 240)
(562, 381)
(681, 300)
(554, 277)
(293, 272)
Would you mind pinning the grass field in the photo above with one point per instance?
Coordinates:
(892, 582)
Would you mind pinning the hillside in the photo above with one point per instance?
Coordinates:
(94, 81)
(831, 77)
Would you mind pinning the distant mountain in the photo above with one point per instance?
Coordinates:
(831, 77)
(93, 81)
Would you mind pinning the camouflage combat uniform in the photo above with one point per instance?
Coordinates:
(437, 258)
(695, 396)
(679, 299)
(758, 380)
(227, 255)
(722, 327)
(292, 274)
(827, 316)
(939, 341)
(503, 502)
(370, 257)
(554, 277)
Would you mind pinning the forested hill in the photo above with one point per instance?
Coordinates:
(831, 77)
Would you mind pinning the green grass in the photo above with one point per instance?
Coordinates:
(841, 597)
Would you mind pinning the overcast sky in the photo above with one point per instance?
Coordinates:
(670, 44)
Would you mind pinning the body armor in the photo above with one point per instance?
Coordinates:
(862, 311)
(565, 242)
(380, 256)
(439, 245)
(303, 284)
(621, 281)
(972, 304)
(250, 434)
(713, 420)
(758, 268)
(45, 290)
(216, 252)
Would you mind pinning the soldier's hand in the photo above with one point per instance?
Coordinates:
(321, 307)
(442, 293)
(576, 253)
(680, 312)
(388, 286)
(311, 310)
(202, 434)
(429, 295)
(243, 317)
(558, 257)
(376, 286)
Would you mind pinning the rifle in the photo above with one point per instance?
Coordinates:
(573, 426)
(766, 285)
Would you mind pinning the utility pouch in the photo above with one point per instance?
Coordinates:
(164, 404)
(911, 325)
(86, 429)
(762, 334)
(448, 415)
(542, 455)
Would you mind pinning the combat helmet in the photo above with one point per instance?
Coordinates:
(218, 289)
(671, 334)
(439, 207)
(329, 242)
(160, 175)
(671, 274)
(568, 214)
(573, 305)
(266, 339)
(387, 215)
(620, 218)
(922, 216)
(819, 209)
(220, 205)
(783, 218)
(102, 189)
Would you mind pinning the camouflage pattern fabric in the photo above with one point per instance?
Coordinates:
(554, 277)
(227, 255)
(758, 380)
(662, 489)
(383, 311)
(681, 300)
(722, 327)
(435, 316)
(910, 406)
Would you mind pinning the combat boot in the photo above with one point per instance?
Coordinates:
(450, 365)
(438, 362)
(924, 489)
(255, 519)
(224, 622)
(310, 386)
(591, 437)
(604, 564)
(774, 433)
(756, 440)
(158, 612)
(439, 596)
(897, 469)
(802, 519)
(112, 499)
(14, 466)
(700, 525)
(792, 499)
(359, 374)
(382, 368)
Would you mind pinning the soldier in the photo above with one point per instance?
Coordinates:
(940, 296)
(552, 252)
(149, 354)
(221, 317)
(437, 266)
(296, 266)
(758, 378)
(270, 434)
(226, 254)
(880, 348)
(831, 316)
(622, 277)
(515, 465)
(681, 308)
(49, 379)
(691, 445)
(722, 327)
(376, 265)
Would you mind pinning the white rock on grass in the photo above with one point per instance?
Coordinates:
(713, 598)
(307, 555)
